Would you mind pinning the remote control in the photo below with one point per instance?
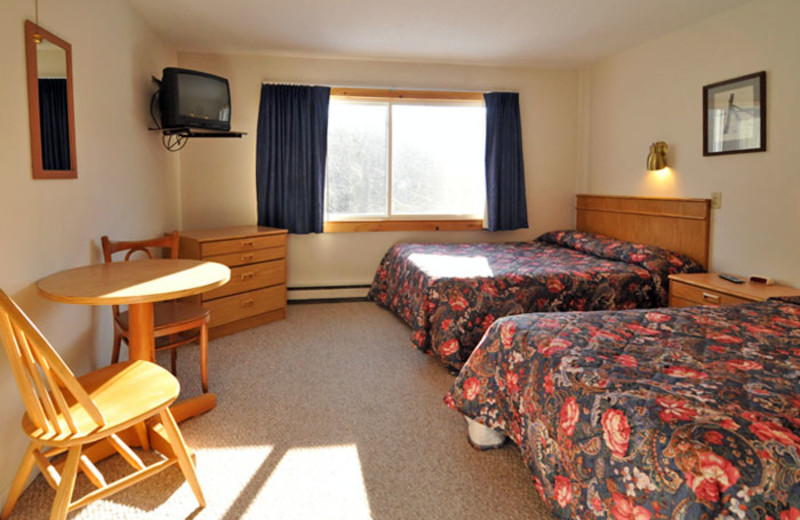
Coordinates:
(731, 278)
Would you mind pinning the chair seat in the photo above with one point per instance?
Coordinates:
(125, 393)
(170, 314)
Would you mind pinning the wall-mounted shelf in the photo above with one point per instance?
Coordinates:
(185, 131)
(175, 138)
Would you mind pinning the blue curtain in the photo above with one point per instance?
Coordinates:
(54, 120)
(505, 170)
(292, 143)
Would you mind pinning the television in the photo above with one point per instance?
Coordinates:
(189, 98)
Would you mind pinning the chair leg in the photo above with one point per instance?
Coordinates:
(115, 351)
(182, 454)
(173, 360)
(204, 356)
(141, 434)
(64, 493)
(18, 484)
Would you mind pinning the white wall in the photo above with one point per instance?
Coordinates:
(654, 92)
(127, 185)
(219, 175)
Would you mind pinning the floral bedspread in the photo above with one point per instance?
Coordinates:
(645, 414)
(450, 293)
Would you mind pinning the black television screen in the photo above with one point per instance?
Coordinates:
(189, 98)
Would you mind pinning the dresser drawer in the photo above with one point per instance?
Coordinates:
(241, 245)
(250, 257)
(682, 293)
(239, 306)
(249, 277)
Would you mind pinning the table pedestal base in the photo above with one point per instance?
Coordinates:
(193, 406)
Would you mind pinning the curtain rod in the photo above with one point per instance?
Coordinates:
(374, 87)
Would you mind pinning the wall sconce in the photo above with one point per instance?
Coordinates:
(657, 159)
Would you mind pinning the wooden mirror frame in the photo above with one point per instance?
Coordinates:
(33, 104)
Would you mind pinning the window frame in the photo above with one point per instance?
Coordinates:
(404, 223)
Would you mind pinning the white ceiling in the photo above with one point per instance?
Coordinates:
(509, 32)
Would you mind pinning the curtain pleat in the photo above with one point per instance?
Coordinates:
(506, 206)
(54, 120)
(291, 149)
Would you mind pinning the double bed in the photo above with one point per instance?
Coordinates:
(619, 257)
(666, 413)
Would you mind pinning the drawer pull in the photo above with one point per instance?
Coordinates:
(247, 276)
(248, 303)
(248, 257)
(710, 297)
(248, 243)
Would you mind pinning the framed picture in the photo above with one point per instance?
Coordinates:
(735, 115)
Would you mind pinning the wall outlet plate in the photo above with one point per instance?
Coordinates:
(716, 199)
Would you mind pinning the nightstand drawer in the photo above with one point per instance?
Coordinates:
(239, 306)
(249, 277)
(683, 295)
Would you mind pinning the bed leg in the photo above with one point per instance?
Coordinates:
(482, 437)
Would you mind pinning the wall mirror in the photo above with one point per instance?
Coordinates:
(52, 114)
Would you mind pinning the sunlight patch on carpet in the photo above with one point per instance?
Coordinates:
(312, 483)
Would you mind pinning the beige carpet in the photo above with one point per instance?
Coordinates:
(329, 414)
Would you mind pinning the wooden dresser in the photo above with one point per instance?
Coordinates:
(256, 293)
(710, 289)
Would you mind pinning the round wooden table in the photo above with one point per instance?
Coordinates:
(138, 284)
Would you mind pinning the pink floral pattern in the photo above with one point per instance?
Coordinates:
(643, 415)
(710, 476)
(616, 432)
(562, 490)
(451, 293)
(569, 416)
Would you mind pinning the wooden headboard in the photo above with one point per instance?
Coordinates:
(680, 225)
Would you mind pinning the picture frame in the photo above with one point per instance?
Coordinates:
(735, 115)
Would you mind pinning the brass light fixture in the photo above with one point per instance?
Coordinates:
(37, 38)
(657, 159)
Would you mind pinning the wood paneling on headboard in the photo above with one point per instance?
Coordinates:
(680, 225)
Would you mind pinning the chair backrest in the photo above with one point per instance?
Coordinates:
(130, 247)
(41, 374)
(169, 241)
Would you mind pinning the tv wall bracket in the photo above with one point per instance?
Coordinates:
(175, 139)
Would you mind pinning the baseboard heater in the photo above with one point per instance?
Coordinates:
(327, 293)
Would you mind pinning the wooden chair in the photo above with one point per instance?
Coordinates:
(65, 414)
(175, 323)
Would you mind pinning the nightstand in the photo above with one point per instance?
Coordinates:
(710, 289)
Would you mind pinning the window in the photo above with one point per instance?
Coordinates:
(409, 158)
